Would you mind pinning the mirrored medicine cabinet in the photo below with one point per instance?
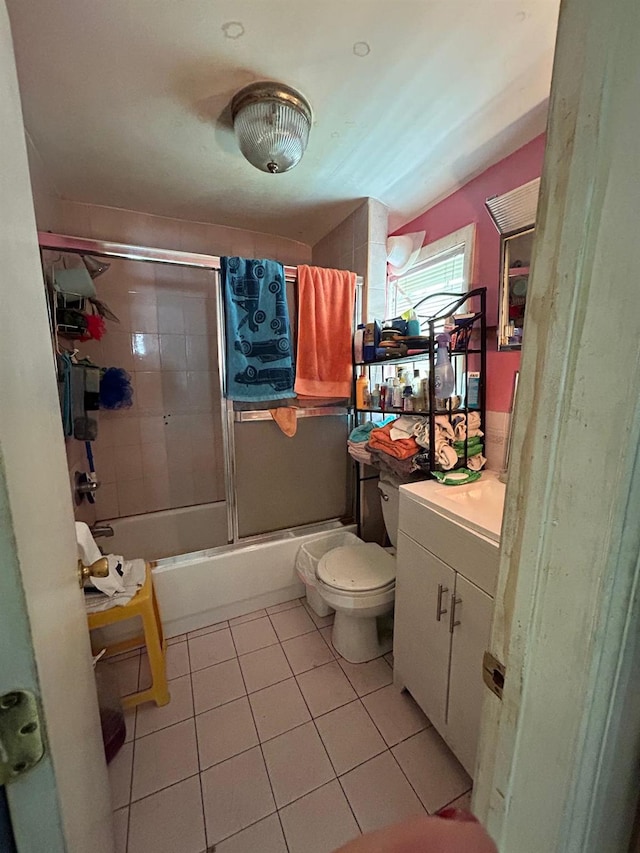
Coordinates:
(514, 216)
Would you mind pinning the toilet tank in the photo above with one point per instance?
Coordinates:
(390, 498)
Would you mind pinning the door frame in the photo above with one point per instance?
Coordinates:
(559, 753)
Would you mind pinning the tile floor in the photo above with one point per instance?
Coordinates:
(273, 743)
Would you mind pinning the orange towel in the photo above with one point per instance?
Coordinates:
(325, 322)
(401, 448)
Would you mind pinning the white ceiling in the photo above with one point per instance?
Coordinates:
(125, 100)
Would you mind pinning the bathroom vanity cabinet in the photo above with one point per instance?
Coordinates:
(446, 577)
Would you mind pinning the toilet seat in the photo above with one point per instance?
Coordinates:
(357, 568)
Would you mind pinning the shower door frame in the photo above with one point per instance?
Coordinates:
(108, 249)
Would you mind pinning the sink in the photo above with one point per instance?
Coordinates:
(477, 506)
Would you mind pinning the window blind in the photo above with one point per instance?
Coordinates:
(443, 273)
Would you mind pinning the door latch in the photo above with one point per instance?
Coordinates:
(21, 744)
(493, 674)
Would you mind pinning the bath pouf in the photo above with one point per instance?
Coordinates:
(116, 391)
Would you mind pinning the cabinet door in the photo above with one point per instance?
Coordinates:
(422, 643)
(473, 609)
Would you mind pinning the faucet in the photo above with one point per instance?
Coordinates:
(101, 530)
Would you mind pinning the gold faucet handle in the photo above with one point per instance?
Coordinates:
(99, 569)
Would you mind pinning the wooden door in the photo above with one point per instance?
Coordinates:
(422, 642)
(62, 804)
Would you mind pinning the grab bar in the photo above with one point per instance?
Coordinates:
(311, 412)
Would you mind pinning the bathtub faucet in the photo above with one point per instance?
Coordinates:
(101, 530)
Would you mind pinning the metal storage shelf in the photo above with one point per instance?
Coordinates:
(459, 359)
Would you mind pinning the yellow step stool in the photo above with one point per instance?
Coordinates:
(145, 605)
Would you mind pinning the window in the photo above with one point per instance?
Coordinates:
(441, 267)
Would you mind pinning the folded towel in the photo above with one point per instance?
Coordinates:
(362, 432)
(401, 448)
(404, 469)
(358, 451)
(259, 363)
(325, 320)
(475, 463)
(404, 427)
(445, 458)
(134, 573)
(443, 430)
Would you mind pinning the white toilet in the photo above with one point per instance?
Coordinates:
(358, 581)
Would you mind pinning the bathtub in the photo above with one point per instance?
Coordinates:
(196, 590)
(154, 535)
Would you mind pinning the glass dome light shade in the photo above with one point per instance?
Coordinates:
(271, 123)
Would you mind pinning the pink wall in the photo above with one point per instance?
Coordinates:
(466, 206)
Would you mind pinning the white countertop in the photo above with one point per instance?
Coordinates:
(477, 506)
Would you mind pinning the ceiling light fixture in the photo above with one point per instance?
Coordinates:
(271, 123)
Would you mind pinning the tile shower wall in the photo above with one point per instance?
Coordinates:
(358, 243)
(166, 451)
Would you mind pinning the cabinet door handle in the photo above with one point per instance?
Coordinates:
(453, 622)
(439, 611)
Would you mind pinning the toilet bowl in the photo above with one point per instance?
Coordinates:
(358, 581)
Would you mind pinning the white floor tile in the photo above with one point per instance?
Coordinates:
(395, 714)
(120, 829)
(264, 668)
(180, 638)
(349, 736)
(126, 671)
(247, 617)
(209, 629)
(164, 758)
(379, 794)
(130, 723)
(177, 658)
(307, 652)
(177, 664)
(169, 821)
(327, 633)
(151, 718)
(278, 709)
(236, 794)
(265, 836)
(367, 677)
(433, 770)
(120, 776)
(297, 763)
(320, 822)
(286, 605)
(250, 636)
(320, 621)
(292, 623)
(325, 688)
(217, 685)
(210, 649)
(225, 731)
(463, 802)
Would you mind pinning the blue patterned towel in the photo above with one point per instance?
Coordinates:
(259, 360)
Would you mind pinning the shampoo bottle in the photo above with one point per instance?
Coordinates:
(444, 376)
(362, 391)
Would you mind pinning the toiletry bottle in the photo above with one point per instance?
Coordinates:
(362, 389)
(444, 376)
(407, 399)
(424, 382)
(383, 397)
(473, 389)
(358, 344)
(397, 394)
(375, 397)
(416, 388)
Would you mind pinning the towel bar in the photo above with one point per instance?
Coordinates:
(315, 412)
